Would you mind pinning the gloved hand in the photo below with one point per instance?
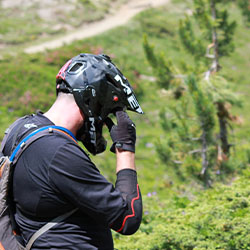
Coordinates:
(123, 134)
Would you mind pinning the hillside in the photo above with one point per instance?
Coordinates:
(51, 24)
(178, 214)
(22, 21)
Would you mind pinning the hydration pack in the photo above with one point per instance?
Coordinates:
(9, 236)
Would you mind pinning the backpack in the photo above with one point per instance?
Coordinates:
(9, 239)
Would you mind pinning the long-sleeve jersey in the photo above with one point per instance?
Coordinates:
(53, 176)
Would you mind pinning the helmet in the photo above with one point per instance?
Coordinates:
(99, 88)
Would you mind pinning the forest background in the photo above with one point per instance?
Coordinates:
(183, 207)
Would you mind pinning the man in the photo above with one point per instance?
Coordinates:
(54, 175)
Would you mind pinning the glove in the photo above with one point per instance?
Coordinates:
(123, 134)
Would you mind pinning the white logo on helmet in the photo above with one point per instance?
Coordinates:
(131, 99)
(134, 104)
(126, 89)
(92, 130)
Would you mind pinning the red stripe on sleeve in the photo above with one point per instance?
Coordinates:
(133, 210)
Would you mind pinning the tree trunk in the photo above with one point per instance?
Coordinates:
(223, 117)
(215, 68)
(204, 153)
(204, 172)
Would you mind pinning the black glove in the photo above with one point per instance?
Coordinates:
(123, 134)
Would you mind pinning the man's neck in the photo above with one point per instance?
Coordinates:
(65, 114)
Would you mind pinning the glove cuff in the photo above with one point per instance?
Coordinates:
(124, 146)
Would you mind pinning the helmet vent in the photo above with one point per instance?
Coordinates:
(76, 67)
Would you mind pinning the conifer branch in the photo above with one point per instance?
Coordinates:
(194, 151)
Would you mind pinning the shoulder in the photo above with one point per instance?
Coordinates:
(71, 165)
(67, 153)
(67, 147)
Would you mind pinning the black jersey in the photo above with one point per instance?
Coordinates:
(53, 176)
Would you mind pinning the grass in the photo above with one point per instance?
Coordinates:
(21, 25)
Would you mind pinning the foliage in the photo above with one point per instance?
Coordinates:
(216, 219)
(245, 7)
(206, 22)
(203, 106)
(209, 94)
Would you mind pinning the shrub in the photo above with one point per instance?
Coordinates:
(217, 219)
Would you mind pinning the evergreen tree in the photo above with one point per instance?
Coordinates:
(207, 35)
(211, 17)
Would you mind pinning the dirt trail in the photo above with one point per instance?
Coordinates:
(119, 18)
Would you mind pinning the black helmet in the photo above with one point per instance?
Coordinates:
(99, 88)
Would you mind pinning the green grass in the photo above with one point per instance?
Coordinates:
(26, 24)
(28, 84)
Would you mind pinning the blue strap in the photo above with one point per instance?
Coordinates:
(35, 132)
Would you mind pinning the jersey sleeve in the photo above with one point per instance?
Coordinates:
(73, 174)
(130, 220)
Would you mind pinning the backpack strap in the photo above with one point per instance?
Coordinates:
(48, 226)
(38, 133)
(33, 136)
(17, 124)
